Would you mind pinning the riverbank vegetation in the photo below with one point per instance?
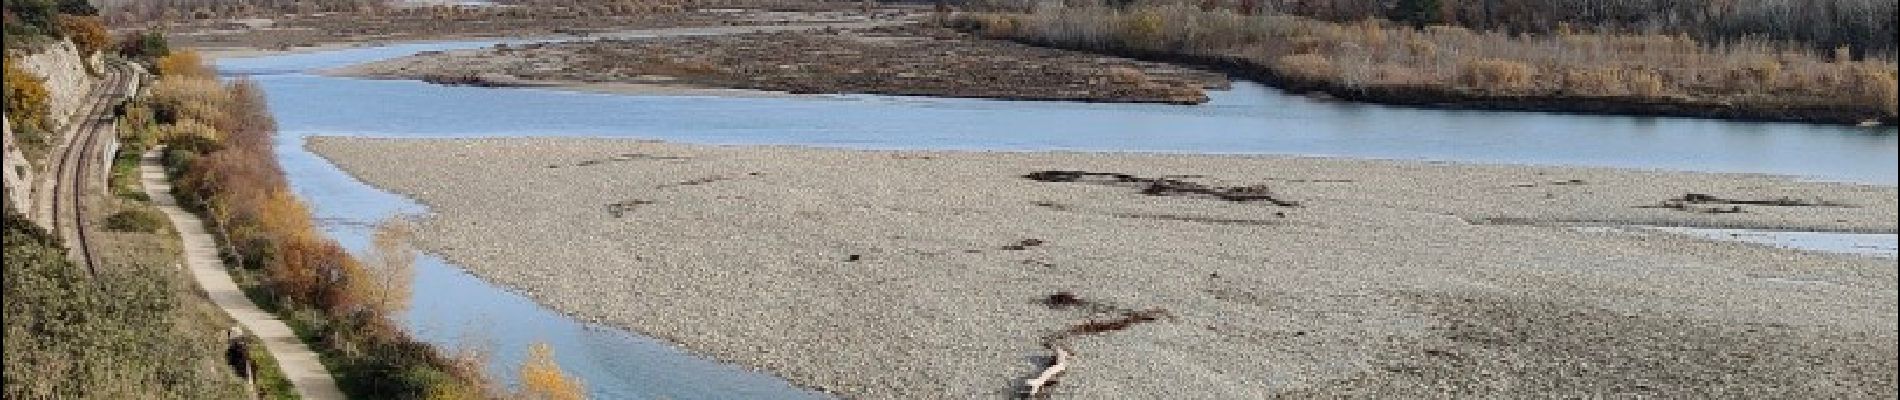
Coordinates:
(1866, 26)
(132, 325)
(1381, 61)
(219, 151)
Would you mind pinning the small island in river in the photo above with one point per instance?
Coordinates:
(895, 60)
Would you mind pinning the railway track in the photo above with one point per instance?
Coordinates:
(78, 165)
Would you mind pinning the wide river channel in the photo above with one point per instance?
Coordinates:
(454, 308)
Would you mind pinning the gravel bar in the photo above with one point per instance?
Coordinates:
(934, 274)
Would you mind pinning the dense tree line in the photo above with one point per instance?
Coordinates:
(29, 20)
(1409, 64)
(1862, 25)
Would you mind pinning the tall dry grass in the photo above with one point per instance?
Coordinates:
(1374, 54)
(1864, 26)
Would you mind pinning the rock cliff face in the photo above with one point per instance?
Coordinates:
(67, 82)
(18, 175)
(67, 79)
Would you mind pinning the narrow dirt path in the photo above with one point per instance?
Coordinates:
(298, 363)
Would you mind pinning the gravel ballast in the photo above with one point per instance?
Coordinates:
(930, 274)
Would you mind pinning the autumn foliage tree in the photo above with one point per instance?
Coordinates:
(87, 32)
(542, 378)
(26, 98)
(185, 63)
(390, 269)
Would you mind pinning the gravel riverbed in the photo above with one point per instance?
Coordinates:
(929, 274)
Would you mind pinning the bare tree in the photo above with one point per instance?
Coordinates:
(390, 267)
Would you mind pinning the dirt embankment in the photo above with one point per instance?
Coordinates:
(903, 60)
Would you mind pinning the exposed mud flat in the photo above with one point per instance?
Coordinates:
(901, 60)
(926, 274)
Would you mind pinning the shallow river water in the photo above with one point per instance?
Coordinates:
(454, 308)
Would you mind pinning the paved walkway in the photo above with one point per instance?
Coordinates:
(297, 362)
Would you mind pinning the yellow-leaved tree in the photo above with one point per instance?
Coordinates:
(390, 268)
(542, 379)
(26, 98)
(186, 63)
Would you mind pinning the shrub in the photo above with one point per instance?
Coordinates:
(30, 18)
(1877, 87)
(1759, 73)
(138, 125)
(1645, 83)
(174, 99)
(1145, 29)
(87, 32)
(1306, 66)
(1600, 81)
(26, 98)
(186, 63)
(145, 46)
(542, 379)
(189, 128)
(77, 7)
(1421, 48)
(390, 268)
(135, 220)
(1495, 74)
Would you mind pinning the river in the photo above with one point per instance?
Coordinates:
(454, 308)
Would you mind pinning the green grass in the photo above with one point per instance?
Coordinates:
(125, 173)
(271, 382)
(137, 330)
(135, 220)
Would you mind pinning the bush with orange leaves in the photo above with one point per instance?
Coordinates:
(85, 31)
